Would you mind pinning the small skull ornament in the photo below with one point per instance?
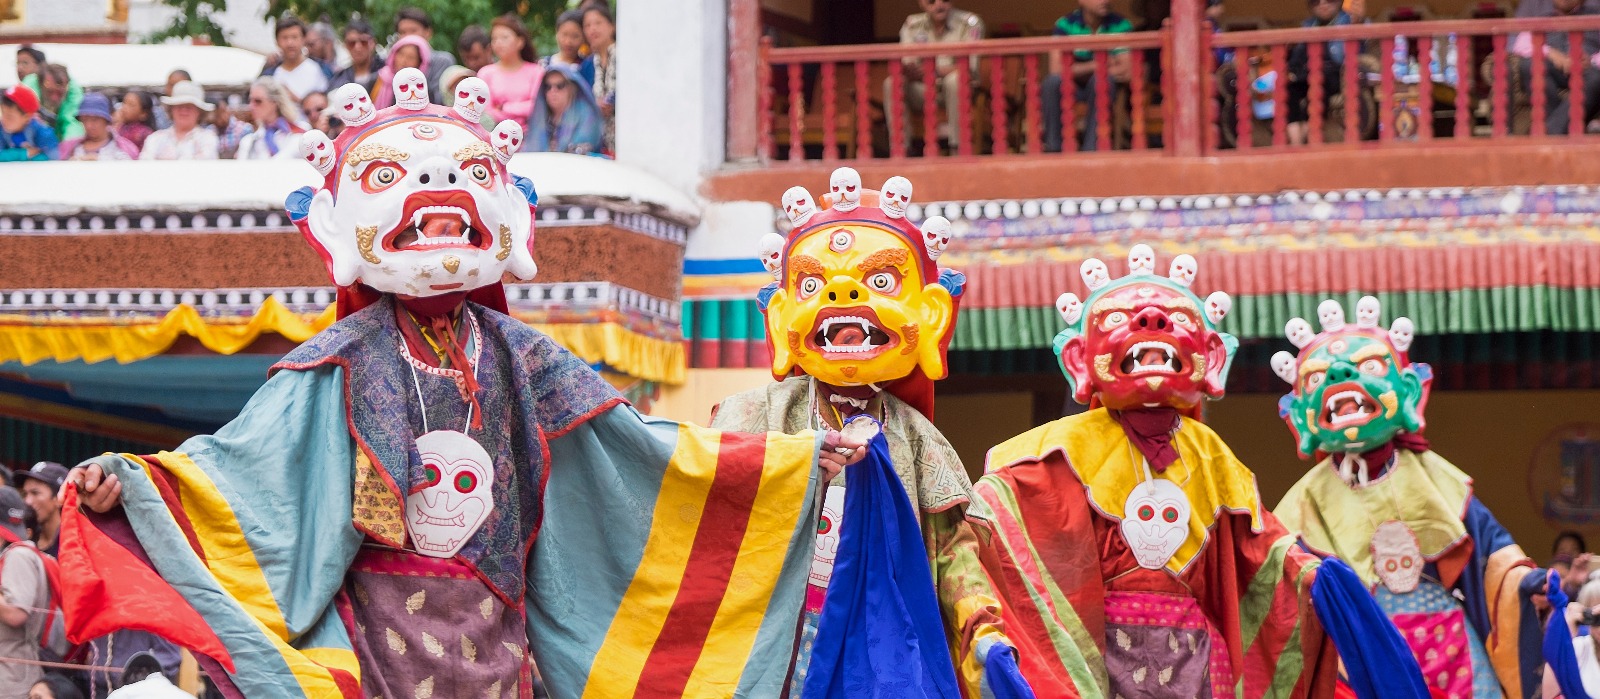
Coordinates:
(895, 197)
(1218, 304)
(1401, 333)
(472, 98)
(798, 205)
(1283, 364)
(1155, 522)
(1397, 557)
(1070, 307)
(1183, 269)
(936, 235)
(506, 139)
(1141, 260)
(318, 150)
(353, 105)
(772, 253)
(845, 183)
(1299, 332)
(1331, 314)
(411, 89)
(454, 500)
(1367, 311)
(1095, 274)
(827, 548)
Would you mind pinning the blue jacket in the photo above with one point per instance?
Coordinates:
(39, 135)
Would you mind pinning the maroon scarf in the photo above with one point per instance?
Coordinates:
(1151, 430)
(439, 314)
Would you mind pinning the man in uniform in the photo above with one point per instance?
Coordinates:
(938, 23)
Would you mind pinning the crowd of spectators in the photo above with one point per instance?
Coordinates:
(565, 101)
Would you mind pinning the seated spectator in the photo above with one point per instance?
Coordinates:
(135, 118)
(276, 123)
(24, 588)
(163, 119)
(226, 123)
(1558, 65)
(601, 66)
(59, 97)
(365, 61)
(131, 650)
(938, 23)
(99, 140)
(1582, 622)
(312, 107)
(408, 52)
(142, 679)
(472, 48)
(515, 73)
(1091, 17)
(1324, 13)
(298, 73)
(569, 42)
(23, 135)
(54, 686)
(412, 21)
(185, 139)
(29, 61)
(565, 117)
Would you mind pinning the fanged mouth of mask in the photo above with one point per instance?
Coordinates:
(439, 227)
(1151, 357)
(849, 334)
(456, 521)
(1348, 408)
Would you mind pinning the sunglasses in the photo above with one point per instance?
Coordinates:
(555, 86)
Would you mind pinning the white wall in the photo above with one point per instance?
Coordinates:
(243, 21)
(40, 14)
(672, 88)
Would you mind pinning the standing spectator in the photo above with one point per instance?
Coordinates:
(39, 486)
(322, 46)
(365, 61)
(408, 52)
(99, 140)
(938, 23)
(1091, 17)
(135, 119)
(515, 74)
(473, 48)
(185, 139)
(298, 74)
(276, 121)
(412, 21)
(569, 42)
(565, 117)
(23, 587)
(59, 97)
(23, 136)
(29, 61)
(1558, 65)
(601, 33)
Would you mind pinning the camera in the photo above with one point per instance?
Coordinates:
(1589, 618)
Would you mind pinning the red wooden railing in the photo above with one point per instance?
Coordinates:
(884, 101)
(886, 115)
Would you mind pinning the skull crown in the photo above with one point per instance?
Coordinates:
(845, 198)
(1331, 318)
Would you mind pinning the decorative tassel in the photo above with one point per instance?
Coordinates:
(468, 382)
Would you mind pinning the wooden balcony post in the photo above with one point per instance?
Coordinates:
(744, 87)
(1188, 58)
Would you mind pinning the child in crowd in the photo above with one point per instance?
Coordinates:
(23, 136)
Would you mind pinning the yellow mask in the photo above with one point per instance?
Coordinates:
(852, 308)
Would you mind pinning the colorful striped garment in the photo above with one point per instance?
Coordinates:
(632, 556)
(1231, 614)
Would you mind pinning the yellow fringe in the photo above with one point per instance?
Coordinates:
(30, 339)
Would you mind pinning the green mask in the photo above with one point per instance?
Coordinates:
(1354, 386)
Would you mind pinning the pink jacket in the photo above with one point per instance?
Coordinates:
(511, 93)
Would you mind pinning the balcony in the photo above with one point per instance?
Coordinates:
(1165, 112)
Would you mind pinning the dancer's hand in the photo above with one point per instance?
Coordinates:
(838, 451)
(99, 491)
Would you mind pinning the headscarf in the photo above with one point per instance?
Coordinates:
(383, 92)
(581, 129)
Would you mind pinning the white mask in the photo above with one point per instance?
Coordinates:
(1397, 557)
(472, 98)
(1155, 522)
(353, 105)
(410, 89)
